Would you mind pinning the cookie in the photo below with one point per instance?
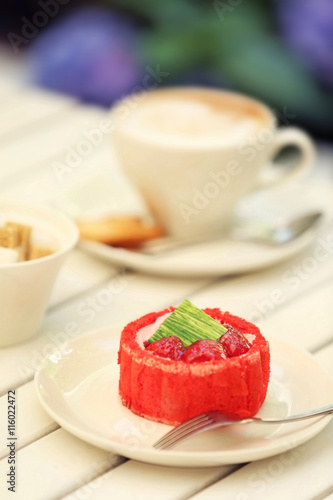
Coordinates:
(119, 231)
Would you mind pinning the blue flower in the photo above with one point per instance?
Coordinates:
(307, 27)
(90, 54)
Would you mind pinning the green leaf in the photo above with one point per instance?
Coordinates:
(189, 323)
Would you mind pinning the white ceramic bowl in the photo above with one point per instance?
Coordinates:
(25, 287)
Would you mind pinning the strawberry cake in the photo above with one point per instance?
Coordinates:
(170, 379)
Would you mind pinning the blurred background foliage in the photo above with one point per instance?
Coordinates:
(280, 51)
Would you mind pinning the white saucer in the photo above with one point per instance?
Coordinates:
(227, 257)
(205, 260)
(78, 387)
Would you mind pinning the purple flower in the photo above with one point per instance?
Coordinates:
(90, 54)
(307, 27)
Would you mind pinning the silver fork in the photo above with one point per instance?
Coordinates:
(213, 419)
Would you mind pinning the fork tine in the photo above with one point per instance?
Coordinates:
(182, 428)
(180, 438)
(187, 428)
(189, 424)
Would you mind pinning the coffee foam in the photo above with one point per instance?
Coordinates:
(188, 117)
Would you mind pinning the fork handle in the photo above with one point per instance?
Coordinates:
(300, 416)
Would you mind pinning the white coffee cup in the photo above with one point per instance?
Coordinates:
(194, 152)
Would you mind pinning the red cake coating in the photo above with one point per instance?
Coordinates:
(171, 391)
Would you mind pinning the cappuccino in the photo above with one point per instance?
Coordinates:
(183, 148)
(194, 116)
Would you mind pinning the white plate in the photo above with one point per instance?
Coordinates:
(222, 258)
(78, 387)
(204, 260)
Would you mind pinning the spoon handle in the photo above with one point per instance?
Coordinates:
(261, 235)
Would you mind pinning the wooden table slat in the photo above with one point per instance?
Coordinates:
(53, 466)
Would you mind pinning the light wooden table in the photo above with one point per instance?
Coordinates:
(37, 132)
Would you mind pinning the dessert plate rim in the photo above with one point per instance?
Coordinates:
(75, 381)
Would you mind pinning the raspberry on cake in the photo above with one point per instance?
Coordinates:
(172, 380)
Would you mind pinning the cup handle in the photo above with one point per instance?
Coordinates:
(290, 136)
